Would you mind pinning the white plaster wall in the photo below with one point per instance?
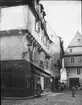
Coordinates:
(73, 74)
(75, 50)
(75, 41)
(11, 47)
(14, 17)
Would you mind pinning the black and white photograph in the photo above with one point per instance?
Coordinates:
(41, 52)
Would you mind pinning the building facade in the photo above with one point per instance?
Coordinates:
(73, 61)
(28, 53)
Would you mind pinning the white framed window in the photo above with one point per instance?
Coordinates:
(80, 59)
(72, 59)
(70, 50)
(38, 26)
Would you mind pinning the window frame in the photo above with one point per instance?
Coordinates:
(72, 59)
(70, 50)
(78, 40)
(78, 71)
(80, 59)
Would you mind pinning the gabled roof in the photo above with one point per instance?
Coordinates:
(75, 46)
(77, 40)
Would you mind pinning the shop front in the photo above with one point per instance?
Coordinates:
(19, 78)
(14, 77)
(42, 77)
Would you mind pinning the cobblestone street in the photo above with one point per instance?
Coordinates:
(63, 98)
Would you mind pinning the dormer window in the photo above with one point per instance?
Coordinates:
(78, 40)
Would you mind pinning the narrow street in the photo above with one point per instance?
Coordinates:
(63, 98)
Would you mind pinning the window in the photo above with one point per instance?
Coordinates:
(78, 70)
(38, 26)
(70, 50)
(72, 60)
(68, 70)
(78, 40)
(80, 60)
(41, 64)
(46, 64)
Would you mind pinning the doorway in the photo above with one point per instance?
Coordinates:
(73, 81)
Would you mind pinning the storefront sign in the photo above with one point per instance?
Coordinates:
(11, 65)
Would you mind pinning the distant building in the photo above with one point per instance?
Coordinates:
(73, 61)
(63, 75)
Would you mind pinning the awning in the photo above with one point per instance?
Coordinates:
(39, 70)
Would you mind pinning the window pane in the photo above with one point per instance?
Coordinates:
(78, 70)
(72, 60)
(70, 50)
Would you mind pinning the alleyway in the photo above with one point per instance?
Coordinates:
(63, 98)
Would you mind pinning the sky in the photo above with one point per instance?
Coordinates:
(64, 17)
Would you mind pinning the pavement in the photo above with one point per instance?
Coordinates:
(23, 98)
(61, 98)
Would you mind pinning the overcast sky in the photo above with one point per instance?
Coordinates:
(64, 18)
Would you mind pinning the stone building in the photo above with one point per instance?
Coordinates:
(28, 53)
(73, 61)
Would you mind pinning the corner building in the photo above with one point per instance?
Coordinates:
(26, 50)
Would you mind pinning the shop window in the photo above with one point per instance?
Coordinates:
(8, 81)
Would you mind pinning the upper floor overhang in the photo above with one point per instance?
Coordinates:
(73, 67)
(32, 40)
(69, 55)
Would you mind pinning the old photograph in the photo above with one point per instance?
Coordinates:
(41, 52)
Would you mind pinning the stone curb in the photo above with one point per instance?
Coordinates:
(24, 98)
